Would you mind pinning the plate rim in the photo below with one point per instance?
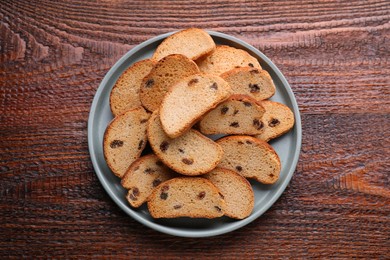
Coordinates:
(174, 230)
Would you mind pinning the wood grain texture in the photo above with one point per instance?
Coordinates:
(336, 57)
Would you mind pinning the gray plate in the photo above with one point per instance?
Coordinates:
(288, 146)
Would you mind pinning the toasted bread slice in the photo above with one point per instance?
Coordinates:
(125, 93)
(189, 99)
(236, 191)
(250, 81)
(240, 114)
(192, 197)
(143, 176)
(166, 73)
(193, 43)
(278, 119)
(190, 154)
(226, 58)
(124, 140)
(250, 157)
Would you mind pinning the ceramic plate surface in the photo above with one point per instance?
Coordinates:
(287, 146)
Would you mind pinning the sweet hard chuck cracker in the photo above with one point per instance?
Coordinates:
(250, 157)
(192, 43)
(165, 73)
(278, 119)
(124, 140)
(189, 99)
(143, 176)
(192, 197)
(250, 81)
(236, 191)
(189, 154)
(239, 114)
(226, 58)
(125, 93)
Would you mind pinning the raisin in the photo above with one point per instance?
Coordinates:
(177, 206)
(163, 195)
(247, 104)
(214, 86)
(187, 161)
(224, 110)
(193, 81)
(135, 191)
(143, 121)
(149, 83)
(116, 144)
(220, 195)
(149, 171)
(235, 124)
(254, 88)
(250, 65)
(257, 124)
(218, 208)
(159, 163)
(271, 175)
(235, 112)
(239, 142)
(156, 182)
(274, 122)
(238, 168)
(248, 142)
(181, 150)
(131, 196)
(140, 144)
(201, 195)
(164, 146)
(255, 71)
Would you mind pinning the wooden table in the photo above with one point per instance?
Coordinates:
(335, 55)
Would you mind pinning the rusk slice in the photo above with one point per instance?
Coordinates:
(193, 43)
(124, 140)
(236, 191)
(190, 154)
(278, 119)
(250, 81)
(189, 99)
(226, 58)
(125, 93)
(240, 114)
(192, 197)
(143, 176)
(166, 73)
(250, 157)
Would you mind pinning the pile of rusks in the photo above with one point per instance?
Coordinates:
(189, 91)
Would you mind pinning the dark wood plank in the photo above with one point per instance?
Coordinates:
(336, 57)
